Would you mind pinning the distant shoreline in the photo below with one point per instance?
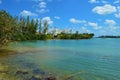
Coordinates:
(108, 37)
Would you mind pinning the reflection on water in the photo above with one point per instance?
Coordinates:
(95, 59)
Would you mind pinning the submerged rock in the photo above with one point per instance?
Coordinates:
(5, 72)
(36, 77)
(22, 72)
(51, 77)
(29, 65)
(38, 71)
(4, 69)
(7, 52)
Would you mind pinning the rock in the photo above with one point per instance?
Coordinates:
(51, 77)
(29, 65)
(22, 72)
(4, 69)
(36, 77)
(38, 71)
(5, 72)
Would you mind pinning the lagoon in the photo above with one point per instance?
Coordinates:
(92, 59)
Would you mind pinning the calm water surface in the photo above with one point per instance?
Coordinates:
(94, 59)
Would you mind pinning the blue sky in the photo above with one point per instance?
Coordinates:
(100, 17)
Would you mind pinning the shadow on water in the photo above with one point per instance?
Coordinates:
(7, 52)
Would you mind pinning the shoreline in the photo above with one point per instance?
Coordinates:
(8, 73)
(4, 52)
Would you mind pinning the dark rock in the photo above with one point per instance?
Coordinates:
(29, 65)
(5, 72)
(4, 69)
(51, 77)
(21, 72)
(38, 71)
(35, 78)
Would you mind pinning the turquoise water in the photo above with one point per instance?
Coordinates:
(94, 59)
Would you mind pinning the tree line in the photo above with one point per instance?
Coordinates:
(23, 28)
(109, 36)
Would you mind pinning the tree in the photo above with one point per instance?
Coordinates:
(77, 35)
(5, 27)
(32, 29)
(36, 26)
(23, 28)
(45, 27)
(40, 27)
(27, 28)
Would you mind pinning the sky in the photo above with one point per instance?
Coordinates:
(101, 17)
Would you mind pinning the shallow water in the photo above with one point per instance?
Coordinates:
(94, 59)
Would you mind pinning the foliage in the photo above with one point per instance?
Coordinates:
(6, 27)
(109, 37)
(75, 36)
(24, 28)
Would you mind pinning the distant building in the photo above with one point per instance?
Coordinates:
(56, 32)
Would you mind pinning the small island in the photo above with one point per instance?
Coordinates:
(109, 36)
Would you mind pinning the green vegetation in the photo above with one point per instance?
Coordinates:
(24, 28)
(75, 36)
(109, 37)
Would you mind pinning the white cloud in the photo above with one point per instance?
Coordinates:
(103, 1)
(27, 13)
(113, 28)
(94, 1)
(94, 25)
(48, 19)
(57, 17)
(118, 12)
(43, 10)
(84, 29)
(59, 0)
(0, 1)
(106, 9)
(98, 1)
(117, 15)
(116, 2)
(42, 7)
(75, 21)
(42, 4)
(118, 8)
(42, 0)
(37, 0)
(110, 22)
(49, 0)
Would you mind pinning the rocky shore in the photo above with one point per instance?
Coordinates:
(6, 73)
